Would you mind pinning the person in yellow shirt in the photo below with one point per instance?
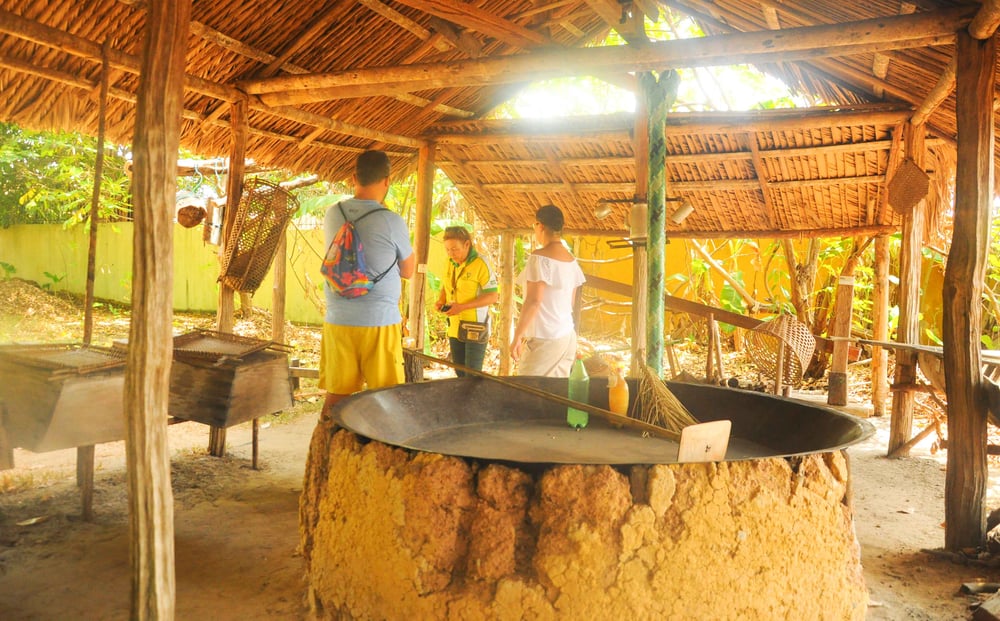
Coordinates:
(468, 290)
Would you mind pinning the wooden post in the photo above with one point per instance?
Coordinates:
(421, 241)
(278, 289)
(967, 476)
(85, 454)
(6, 449)
(909, 302)
(779, 371)
(95, 203)
(660, 95)
(841, 327)
(150, 352)
(506, 299)
(234, 192)
(880, 325)
(720, 370)
(710, 350)
(640, 264)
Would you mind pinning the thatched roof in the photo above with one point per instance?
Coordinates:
(324, 80)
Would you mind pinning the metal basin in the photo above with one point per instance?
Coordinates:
(481, 418)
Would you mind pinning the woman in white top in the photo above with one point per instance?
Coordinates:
(544, 341)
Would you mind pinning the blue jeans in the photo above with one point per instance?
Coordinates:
(467, 354)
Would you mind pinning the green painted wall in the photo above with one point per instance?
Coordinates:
(34, 250)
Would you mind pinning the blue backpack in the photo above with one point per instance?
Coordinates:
(344, 264)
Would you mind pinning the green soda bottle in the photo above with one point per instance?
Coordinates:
(579, 390)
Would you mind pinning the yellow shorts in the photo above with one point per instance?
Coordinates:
(355, 357)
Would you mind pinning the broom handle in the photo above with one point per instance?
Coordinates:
(608, 415)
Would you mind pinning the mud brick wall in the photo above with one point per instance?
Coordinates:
(397, 534)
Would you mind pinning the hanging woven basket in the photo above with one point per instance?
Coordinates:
(784, 334)
(261, 217)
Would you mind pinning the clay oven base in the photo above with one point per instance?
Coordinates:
(390, 533)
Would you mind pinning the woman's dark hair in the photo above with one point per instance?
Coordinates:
(458, 232)
(371, 167)
(551, 217)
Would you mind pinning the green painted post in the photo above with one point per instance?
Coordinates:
(660, 95)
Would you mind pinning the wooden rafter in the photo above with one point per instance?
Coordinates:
(555, 166)
(456, 160)
(677, 124)
(882, 34)
(394, 16)
(462, 40)
(20, 27)
(480, 20)
(315, 27)
(721, 185)
(761, 170)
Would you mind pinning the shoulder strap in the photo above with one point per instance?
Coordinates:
(365, 215)
(340, 206)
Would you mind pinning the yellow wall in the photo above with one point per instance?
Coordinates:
(36, 249)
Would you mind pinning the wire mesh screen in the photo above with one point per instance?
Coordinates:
(785, 334)
(261, 218)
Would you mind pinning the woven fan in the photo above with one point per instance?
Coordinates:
(908, 186)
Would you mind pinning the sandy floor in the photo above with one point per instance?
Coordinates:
(236, 531)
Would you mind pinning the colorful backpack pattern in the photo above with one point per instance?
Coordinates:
(344, 264)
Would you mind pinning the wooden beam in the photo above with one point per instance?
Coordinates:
(620, 124)
(611, 12)
(480, 20)
(682, 187)
(325, 122)
(460, 39)
(827, 68)
(967, 474)
(985, 23)
(236, 46)
(404, 22)
(691, 158)
(945, 84)
(147, 369)
(898, 32)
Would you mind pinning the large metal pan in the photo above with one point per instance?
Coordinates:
(477, 418)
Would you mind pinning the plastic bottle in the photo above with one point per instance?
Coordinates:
(579, 390)
(617, 391)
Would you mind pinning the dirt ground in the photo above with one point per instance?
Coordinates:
(236, 529)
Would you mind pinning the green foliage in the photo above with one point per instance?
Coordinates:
(49, 178)
(8, 270)
(54, 279)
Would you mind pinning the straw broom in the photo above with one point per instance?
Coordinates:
(659, 406)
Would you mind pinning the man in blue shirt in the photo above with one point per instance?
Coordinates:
(362, 337)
